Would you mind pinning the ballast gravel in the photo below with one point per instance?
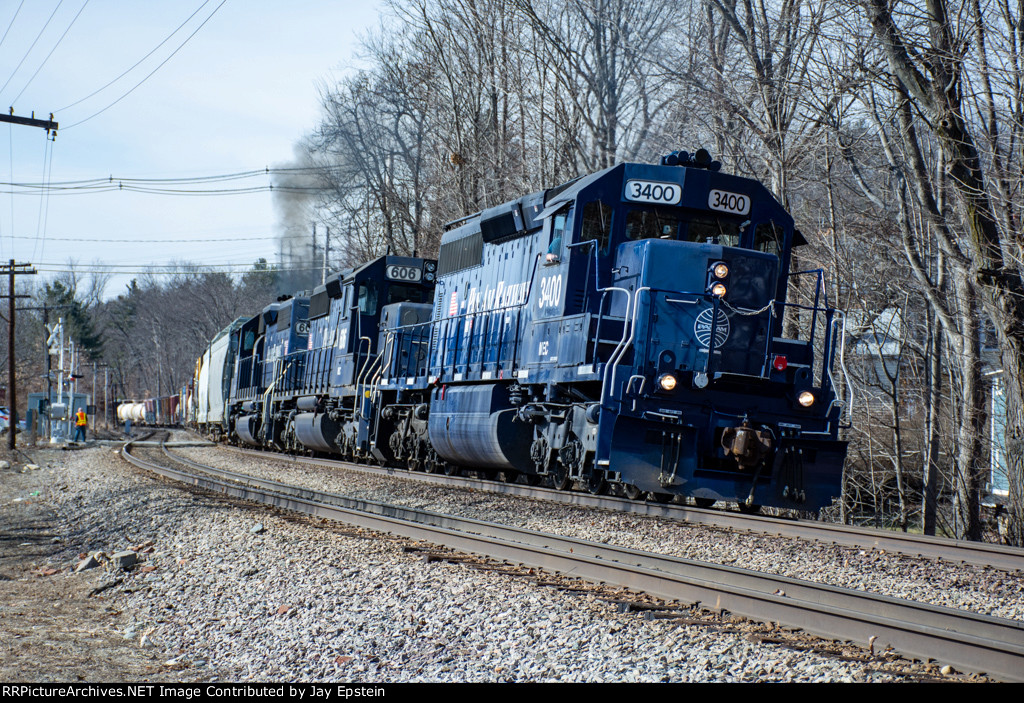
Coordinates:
(966, 587)
(221, 599)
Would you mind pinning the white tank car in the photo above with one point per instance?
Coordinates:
(136, 412)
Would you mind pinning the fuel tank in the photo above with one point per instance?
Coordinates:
(317, 431)
(246, 426)
(475, 427)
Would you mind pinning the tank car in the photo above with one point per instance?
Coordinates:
(627, 329)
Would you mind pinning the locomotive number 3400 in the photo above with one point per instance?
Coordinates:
(725, 201)
(653, 192)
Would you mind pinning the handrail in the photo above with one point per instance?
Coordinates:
(620, 350)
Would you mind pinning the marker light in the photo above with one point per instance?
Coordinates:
(667, 382)
(720, 270)
(780, 362)
(806, 399)
(718, 290)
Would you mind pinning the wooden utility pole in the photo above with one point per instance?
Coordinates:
(12, 269)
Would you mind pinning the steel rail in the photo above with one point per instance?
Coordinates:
(943, 549)
(965, 640)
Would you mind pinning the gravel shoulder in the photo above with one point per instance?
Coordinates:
(230, 592)
(967, 587)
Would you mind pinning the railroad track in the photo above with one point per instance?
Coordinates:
(967, 641)
(943, 549)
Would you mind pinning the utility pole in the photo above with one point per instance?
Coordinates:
(327, 250)
(12, 269)
(49, 125)
(314, 256)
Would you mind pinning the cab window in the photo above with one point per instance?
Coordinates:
(597, 224)
(768, 237)
(367, 298)
(651, 224)
(557, 234)
(713, 230)
(402, 293)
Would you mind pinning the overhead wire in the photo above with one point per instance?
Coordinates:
(237, 175)
(130, 91)
(172, 241)
(136, 64)
(170, 270)
(171, 191)
(18, 67)
(73, 20)
(46, 206)
(42, 199)
(8, 31)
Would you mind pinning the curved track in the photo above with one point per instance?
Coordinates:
(965, 640)
(976, 553)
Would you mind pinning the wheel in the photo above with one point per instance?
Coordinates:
(508, 476)
(753, 509)
(596, 483)
(631, 491)
(661, 497)
(451, 469)
(560, 480)
(704, 502)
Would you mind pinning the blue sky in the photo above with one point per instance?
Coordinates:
(236, 97)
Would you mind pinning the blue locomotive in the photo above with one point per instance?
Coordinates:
(304, 362)
(625, 329)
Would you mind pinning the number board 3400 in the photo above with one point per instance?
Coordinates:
(653, 192)
(724, 201)
(402, 273)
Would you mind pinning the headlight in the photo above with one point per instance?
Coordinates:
(428, 277)
(667, 382)
(718, 290)
(720, 270)
(806, 399)
(430, 266)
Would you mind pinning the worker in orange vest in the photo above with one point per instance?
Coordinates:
(81, 421)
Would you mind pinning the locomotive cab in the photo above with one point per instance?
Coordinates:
(343, 356)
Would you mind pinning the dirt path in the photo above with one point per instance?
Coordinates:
(53, 626)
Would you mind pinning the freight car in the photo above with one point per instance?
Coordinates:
(165, 411)
(627, 329)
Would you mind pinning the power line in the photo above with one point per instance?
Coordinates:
(51, 52)
(2, 39)
(171, 191)
(16, 69)
(248, 268)
(46, 206)
(184, 180)
(136, 64)
(303, 236)
(180, 46)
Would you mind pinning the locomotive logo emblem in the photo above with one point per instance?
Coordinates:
(702, 327)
